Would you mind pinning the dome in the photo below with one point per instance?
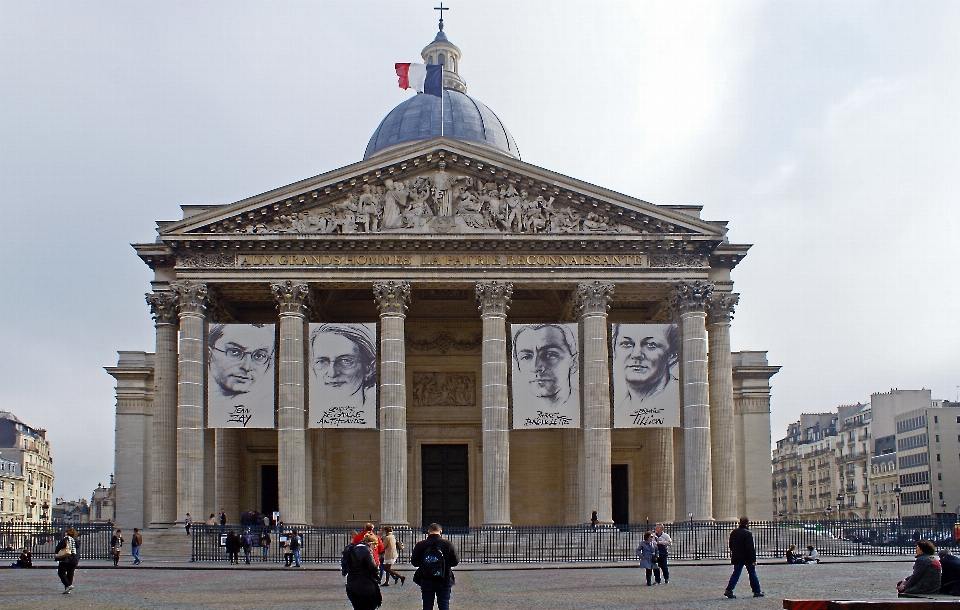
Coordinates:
(464, 118)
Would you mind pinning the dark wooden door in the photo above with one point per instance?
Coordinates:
(446, 485)
(269, 489)
(620, 475)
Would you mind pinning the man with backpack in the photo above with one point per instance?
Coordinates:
(434, 559)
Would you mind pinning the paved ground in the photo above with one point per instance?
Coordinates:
(691, 586)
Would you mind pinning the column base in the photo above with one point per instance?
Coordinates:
(162, 526)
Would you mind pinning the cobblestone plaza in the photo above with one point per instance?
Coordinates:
(691, 586)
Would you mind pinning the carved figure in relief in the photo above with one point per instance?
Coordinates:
(343, 365)
(394, 201)
(369, 211)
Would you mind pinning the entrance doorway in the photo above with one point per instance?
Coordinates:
(445, 485)
(269, 489)
(620, 488)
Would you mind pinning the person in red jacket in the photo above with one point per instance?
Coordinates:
(368, 529)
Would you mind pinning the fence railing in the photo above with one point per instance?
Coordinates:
(561, 544)
(41, 539)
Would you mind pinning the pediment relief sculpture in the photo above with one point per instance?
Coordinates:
(443, 202)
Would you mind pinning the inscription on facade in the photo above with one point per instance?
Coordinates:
(327, 261)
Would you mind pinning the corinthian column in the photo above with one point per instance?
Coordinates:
(494, 302)
(594, 301)
(722, 430)
(392, 299)
(163, 485)
(192, 300)
(293, 301)
(690, 301)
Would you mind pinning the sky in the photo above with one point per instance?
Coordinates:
(826, 133)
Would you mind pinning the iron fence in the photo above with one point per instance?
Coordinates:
(563, 544)
(41, 539)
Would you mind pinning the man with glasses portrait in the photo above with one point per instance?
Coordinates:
(241, 378)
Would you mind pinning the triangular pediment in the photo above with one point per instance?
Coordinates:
(441, 187)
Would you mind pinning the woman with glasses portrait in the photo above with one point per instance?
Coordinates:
(343, 375)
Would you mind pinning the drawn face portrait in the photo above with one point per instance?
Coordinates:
(545, 362)
(342, 365)
(644, 355)
(240, 355)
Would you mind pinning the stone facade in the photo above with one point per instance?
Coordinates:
(30, 448)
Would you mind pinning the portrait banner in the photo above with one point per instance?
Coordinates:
(343, 375)
(546, 376)
(646, 387)
(241, 386)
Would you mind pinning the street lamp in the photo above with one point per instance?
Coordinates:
(839, 515)
(43, 514)
(896, 492)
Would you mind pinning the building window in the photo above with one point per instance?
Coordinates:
(936, 419)
(941, 495)
(938, 457)
(939, 476)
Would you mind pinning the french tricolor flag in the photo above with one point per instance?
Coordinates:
(424, 78)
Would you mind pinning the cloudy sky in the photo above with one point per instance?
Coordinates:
(826, 133)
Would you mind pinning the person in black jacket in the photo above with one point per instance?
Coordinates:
(926, 572)
(950, 574)
(233, 548)
(743, 554)
(434, 559)
(363, 575)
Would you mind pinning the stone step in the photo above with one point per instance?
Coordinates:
(167, 544)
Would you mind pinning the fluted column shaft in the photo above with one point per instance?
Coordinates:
(163, 483)
(293, 300)
(690, 301)
(662, 504)
(392, 299)
(594, 301)
(227, 448)
(192, 302)
(722, 431)
(494, 303)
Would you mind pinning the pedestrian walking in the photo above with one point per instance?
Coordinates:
(295, 542)
(391, 551)
(743, 554)
(363, 582)
(434, 559)
(67, 559)
(663, 542)
(187, 522)
(116, 543)
(594, 520)
(647, 552)
(135, 543)
(223, 519)
(233, 548)
(265, 544)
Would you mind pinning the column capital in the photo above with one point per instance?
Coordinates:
(163, 307)
(720, 307)
(392, 297)
(494, 298)
(192, 297)
(689, 298)
(594, 299)
(293, 298)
